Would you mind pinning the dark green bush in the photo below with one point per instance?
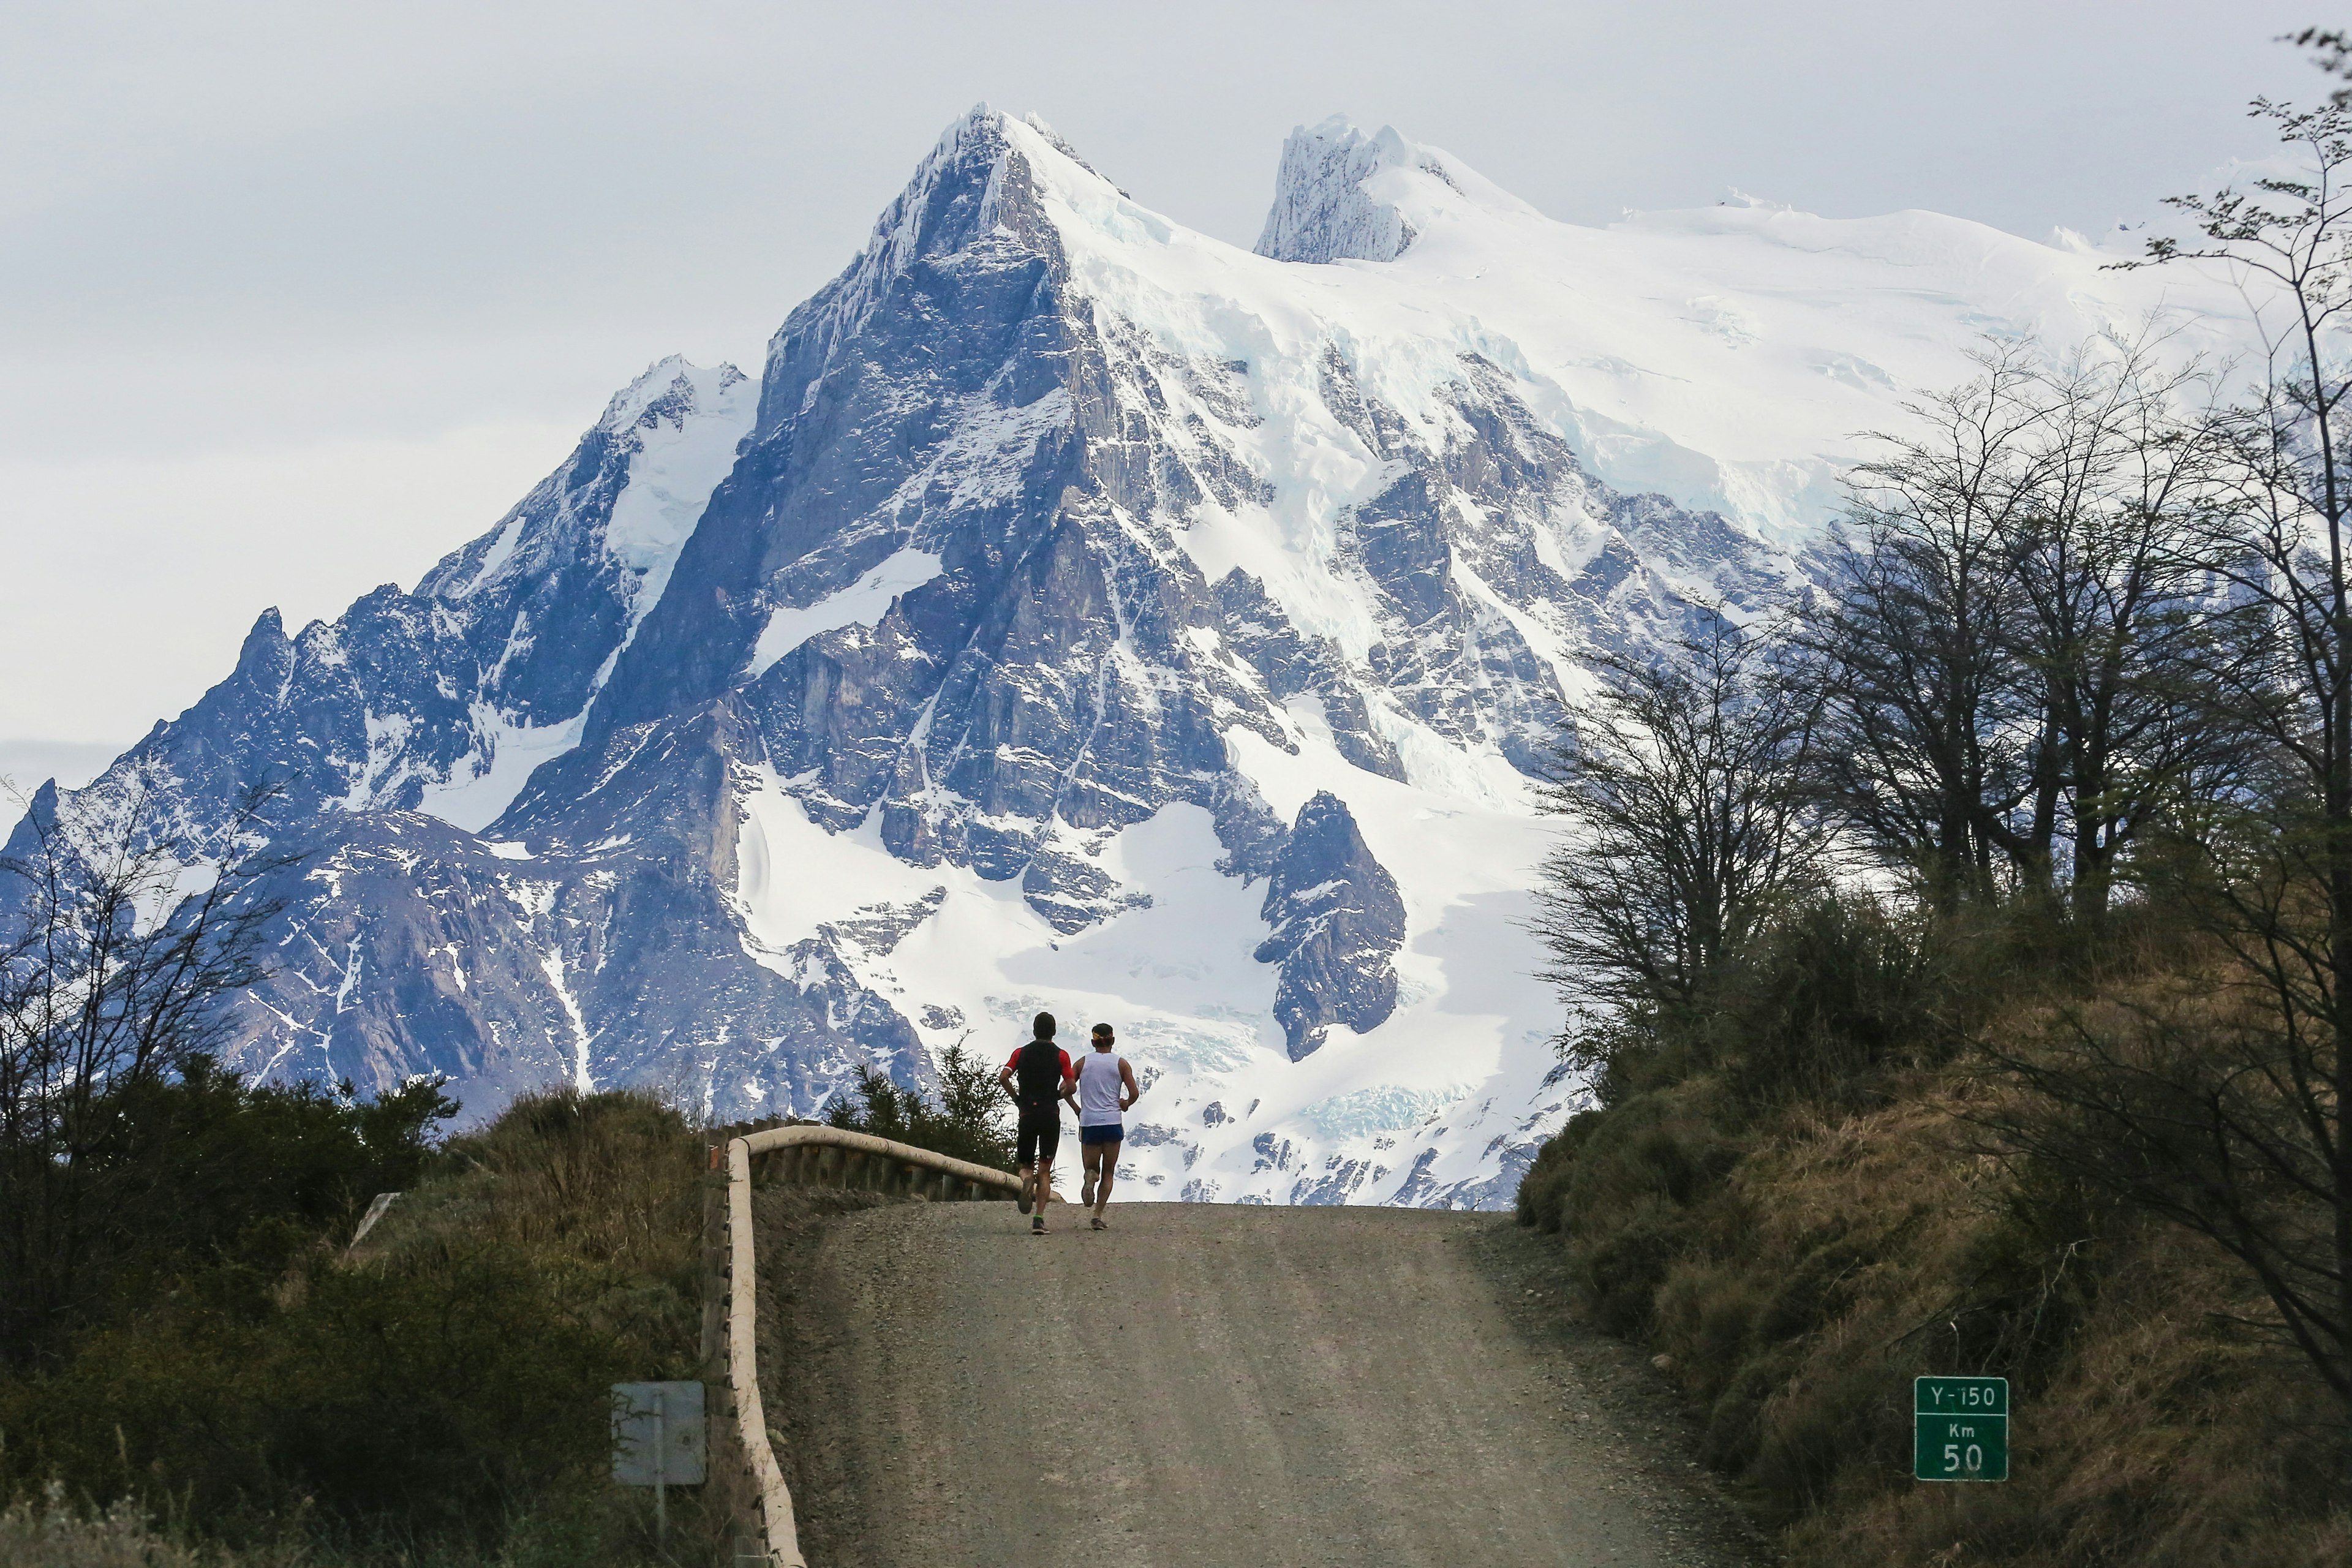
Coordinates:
(205, 1172)
(432, 1400)
(444, 1394)
(967, 1120)
(1834, 993)
(1627, 1187)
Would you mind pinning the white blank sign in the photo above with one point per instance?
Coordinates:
(658, 1437)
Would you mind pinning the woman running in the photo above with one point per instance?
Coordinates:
(1105, 1091)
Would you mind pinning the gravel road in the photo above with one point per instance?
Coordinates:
(1208, 1385)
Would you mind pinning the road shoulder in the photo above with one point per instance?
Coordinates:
(1611, 1387)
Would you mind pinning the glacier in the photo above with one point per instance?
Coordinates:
(1080, 612)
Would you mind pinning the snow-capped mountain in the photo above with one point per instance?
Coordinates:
(1081, 614)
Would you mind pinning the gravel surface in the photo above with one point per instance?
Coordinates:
(1210, 1385)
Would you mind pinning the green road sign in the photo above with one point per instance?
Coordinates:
(1959, 1428)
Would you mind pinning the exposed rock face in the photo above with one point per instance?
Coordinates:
(1292, 666)
(444, 700)
(950, 675)
(1337, 922)
(1322, 208)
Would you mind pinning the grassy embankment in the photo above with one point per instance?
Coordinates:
(439, 1398)
(1796, 1201)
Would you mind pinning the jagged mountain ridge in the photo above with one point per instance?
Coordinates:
(1072, 576)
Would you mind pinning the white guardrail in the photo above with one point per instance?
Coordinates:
(829, 1156)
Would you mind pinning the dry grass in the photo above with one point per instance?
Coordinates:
(2150, 1433)
(1839, 1254)
(2147, 1430)
(51, 1533)
(610, 1179)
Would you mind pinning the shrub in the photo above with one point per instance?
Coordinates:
(443, 1394)
(1799, 1198)
(1834, 993)
(966, 1122)
(435, 1397)
(204, 1169)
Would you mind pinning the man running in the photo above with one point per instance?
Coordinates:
(1106, 1092)
(1036, 1077)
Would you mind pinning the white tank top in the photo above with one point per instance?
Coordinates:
(1098, 1088)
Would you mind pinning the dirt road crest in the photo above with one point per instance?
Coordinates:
(1213, 1385)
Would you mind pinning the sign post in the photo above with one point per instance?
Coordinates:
(1959, 1428)
(657, 1440)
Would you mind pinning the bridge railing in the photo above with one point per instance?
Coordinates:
(827, 1156)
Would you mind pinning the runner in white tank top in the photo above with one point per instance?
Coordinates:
(1106, 1089)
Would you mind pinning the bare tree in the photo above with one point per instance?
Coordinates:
(2112, 636)
(1682, 781)
(2010, 631)
(1934, 748)
(124, 937)
(2223, 1111)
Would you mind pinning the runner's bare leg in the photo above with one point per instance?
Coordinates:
(1108, 1154)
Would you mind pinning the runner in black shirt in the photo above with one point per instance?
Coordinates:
(1037, 1076)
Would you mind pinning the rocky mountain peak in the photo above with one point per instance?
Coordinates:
(265, 645)
(673, 388)
(1094, 617)
(1325, 205)
(972, 195)
(1344, 193)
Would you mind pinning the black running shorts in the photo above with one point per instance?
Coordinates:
(1040, 1138)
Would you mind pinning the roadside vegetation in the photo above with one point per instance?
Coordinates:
(200, 1364)
(197, 1366)
(1811, 1197)
(1960, 957)
(436, 1395)
(965, 1120)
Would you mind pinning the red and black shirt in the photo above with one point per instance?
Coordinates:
(1039, 1070)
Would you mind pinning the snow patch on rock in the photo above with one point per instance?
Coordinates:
(862, 603)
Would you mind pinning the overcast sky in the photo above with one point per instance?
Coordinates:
(295, 297)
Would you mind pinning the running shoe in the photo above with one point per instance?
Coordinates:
(1098, 1223)
(1038, 1226)
(1087, 1194)
(1023, 1200)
